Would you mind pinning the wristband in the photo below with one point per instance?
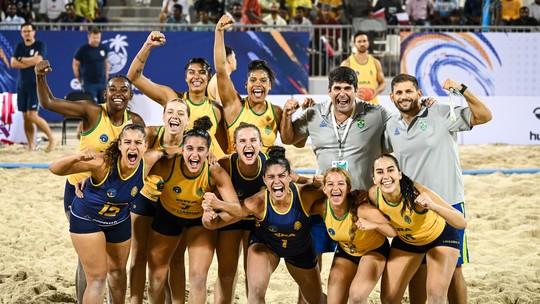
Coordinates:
(463, 89)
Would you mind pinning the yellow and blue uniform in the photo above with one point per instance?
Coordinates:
(417, 231)
(367, 74)
(105, 206)
(287, 233)
(363, 241)
(181, 199)
(198, 110)
(265, 121)
(98, 138)
(245, 187)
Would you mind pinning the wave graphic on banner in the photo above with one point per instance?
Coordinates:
(7, 80)
(433, 57)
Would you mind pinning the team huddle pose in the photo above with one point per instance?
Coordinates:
(211, 179)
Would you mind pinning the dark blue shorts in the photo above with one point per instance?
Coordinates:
(240, 225)
(169, 224)
(69, 195)
(321, 240)
(383, 250)
(141, 205)
(449, 238)
(113, 234)
(27, 99)
(304, 260)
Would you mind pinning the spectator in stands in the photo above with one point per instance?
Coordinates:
(283, 11)
(236, 12)
(294, 4)
(327, 41)
(299, 18)
(86, 8)
(524, 18)
(167, 9)
(12, 17)
(472, 12)
(99, 18)
(51, 10)
(69, 16)
(214, 9)
(446, 12)
(534, 9)
(177, 17)
(251, 12)
(273, 18)
(506, 11)
(357, 9)
(24, 9)
(266, 5)
(90, 65)
(204, 23)
(391, 8)
(419, 11)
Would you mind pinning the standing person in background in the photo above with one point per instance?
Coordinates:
(86, 8)
(230, 67)
(51, 10)
(27, 54)
(424, 141)
(368, 69)
(91, 67)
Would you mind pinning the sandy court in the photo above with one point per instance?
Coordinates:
(37, 260)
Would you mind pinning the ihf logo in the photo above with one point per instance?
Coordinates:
(532, 135)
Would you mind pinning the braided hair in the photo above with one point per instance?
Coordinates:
(112, 153)
(200, 129)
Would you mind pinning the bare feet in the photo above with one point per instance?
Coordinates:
(51, 145)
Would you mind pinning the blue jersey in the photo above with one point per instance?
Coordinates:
(246, 186)
(27, 76)
(93, 60)
(107, 203)
(288, 234)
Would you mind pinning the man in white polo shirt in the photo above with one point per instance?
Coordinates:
(424, 141)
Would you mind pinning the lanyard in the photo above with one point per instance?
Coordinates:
(345, 133)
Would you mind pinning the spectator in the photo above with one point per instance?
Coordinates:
(534, 9)
(446, 12)
(507, 11)
(299, 18)
(472, 11)
(419, 11)
(86, 8)
(251, 12)
(391, 8)
(98, 17)
(273, 19)
(90, 66)
(167, 9)
(327, 41)
(12, 17)
(69, 16)
(236, 12)
(204, 23)
(283, 11)
(24, 9)
(51, 10)
(177, 16)
(213, 8)
(294, 4)
(357, 9)
(266, 5)
(524, 18)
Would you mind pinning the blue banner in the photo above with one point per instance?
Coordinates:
(285, 52)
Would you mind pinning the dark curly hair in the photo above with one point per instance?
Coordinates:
(262, 65)
(112, 153)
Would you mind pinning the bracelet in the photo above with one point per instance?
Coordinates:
(463, 89)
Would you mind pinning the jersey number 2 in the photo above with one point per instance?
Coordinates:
(109, 210)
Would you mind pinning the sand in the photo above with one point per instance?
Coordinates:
(37, 260)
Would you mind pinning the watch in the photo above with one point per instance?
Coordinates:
(463, 89)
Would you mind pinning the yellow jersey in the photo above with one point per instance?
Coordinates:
(265, 121)
(413, 227)
(181, 195)
(99, 138)
(338, 229)
(205, 108)
(367, 74)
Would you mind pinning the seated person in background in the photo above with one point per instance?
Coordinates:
(524, 18)
(69, 16)
(177, 16)
(506, 11)
(472, 12)
(391, 8)
(273, 18)
(445, 12)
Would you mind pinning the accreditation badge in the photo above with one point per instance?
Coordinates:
(342, 164)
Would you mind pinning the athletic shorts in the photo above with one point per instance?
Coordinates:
(169, 224)
(69, 195)
(143, 206)
(27, 99)
(464, 249)
(383, 250)
(321, 240)
(304, 260)
(449, 238)
(113, 234)
(240, 225)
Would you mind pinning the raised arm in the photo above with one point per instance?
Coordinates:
(152, 156)
(159, 93)
(480, 112)
(232, 104)
(432, 201)
(290, 135)
(79, 162)
(87, 110)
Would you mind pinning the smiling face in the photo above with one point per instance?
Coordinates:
(258, 85)
(195, 153)
(132, 145)
(277, 179)
(248, 145)
(118, 94)
(336, 187)
(175, 117)
(196, 78)
(386, 175)
(406, 97)
(343, 97)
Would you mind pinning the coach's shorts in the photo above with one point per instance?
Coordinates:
(321, 240)
(383, 250)
(27, 99)
(449, 238)
(464, 249)
(113, 234)
(304, 260)
(169, 224)
(143, 206)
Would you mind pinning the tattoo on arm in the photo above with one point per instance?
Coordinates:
(140, 60)
(138, 72)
